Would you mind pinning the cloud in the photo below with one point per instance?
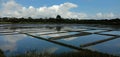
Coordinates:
(13, 9)
(105, 15)
(10, 9)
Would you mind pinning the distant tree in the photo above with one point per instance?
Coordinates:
(29, 17)
(58, 17)
(117, 18)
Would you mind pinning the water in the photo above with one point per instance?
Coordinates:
(16, 39)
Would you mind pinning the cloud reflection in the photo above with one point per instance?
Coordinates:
(9, 42)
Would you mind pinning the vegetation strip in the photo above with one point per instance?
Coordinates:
(103, 31)
(29, 20)
(68, 36)
(54, 33)
(10, 34)
(107, 34)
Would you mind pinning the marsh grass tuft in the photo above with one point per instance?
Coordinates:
(65, 54)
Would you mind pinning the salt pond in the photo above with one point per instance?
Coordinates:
(14, 40)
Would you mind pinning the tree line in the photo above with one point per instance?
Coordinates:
(59, 20)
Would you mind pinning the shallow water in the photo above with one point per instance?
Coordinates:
(14, 38)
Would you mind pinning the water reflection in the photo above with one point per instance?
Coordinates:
(17, 44)
(71, 36)
(111, 47)
(57, 28)
(77, 41)
(9, 42)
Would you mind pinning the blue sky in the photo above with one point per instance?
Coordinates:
(91, 8)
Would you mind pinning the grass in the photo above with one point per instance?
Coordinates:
(1, 54)
(65, 54)
(85, 53)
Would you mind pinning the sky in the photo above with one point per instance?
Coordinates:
(81, 9)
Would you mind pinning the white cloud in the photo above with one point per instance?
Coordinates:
(10, 9)
(105, 15)
(99, 14)
(13, 9)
